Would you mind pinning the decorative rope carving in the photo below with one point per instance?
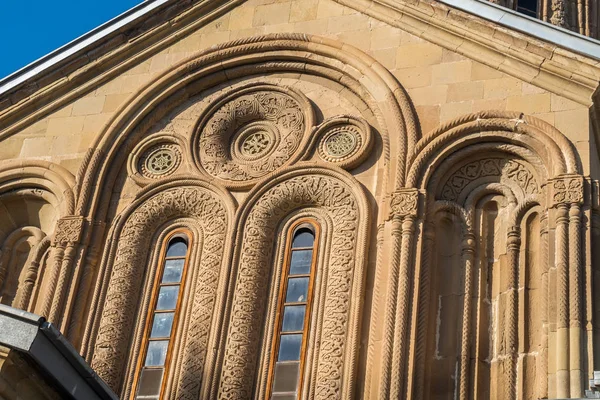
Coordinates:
(112, 345)
(337, 346)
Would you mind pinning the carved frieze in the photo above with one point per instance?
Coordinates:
(502, 168)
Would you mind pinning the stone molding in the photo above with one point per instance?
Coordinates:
(211, 208)
(341, 199)
(537, 62)
(302, 53)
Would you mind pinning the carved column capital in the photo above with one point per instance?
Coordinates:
(566, 189)
(68, 231)
(404, 202)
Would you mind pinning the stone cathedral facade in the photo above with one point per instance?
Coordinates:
(313, 199)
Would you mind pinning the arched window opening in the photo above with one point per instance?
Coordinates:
(293, 312)
(527, 7)
(154, 361)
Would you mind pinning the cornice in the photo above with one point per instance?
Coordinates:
(99, 61)
(541, 63)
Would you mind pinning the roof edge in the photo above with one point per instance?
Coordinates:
(537, 28)
(62, 53)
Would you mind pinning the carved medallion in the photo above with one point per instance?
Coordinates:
(160, 160)
(251, 131)
(344, 140)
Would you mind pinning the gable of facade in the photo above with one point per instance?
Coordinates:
(444, 165)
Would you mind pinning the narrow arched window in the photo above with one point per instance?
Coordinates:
(292, 319)
(153, 365)
(527, 7)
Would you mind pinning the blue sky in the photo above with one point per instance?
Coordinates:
(31, 29)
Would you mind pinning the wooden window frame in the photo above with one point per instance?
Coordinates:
(156, 285)
(312, 224)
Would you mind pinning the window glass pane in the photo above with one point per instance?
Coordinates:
(293, 318)
(300, 263)
(285, 379)
(173, 271)
(303, 238)
(297, 290)
(289, 347)
(157, 353)
(167, 298)
(177, 248)
(161, 326)
(150, 382)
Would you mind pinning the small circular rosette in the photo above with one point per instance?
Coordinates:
(344, 140)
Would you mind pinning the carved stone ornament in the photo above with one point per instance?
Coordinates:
(404, 202)
(112, 349)
(251, 131)
(160, 160)
(344, 140)
(335, 339)
(502, 168)
(567, 190)
(68, 230)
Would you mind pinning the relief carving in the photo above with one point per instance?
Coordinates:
(567, 189)
(251, 291)
(499, 167)
(251, 131)
(404, 202)
(68, 230)
(122, 298)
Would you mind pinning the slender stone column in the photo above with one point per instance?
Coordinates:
(576, 302)
(542, 363)
(395, 347)
(512, 338)
(423, 308)
(468, 258)
(32, 274)
(67, 237)
(567, 197)
(401, 345)
(390, 310)
(562, 293)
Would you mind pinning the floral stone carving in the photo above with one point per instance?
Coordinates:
(345, 140)
(160, 160)
(251, 131)
(251, 291)
(122, 298)
(490, 167)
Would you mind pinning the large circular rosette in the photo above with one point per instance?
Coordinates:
(250, 132)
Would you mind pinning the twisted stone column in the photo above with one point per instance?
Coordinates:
(512, 339)
(567, 196)
(562, 292)
(32, 274)
(576, 301)
(403, 206)
(401, 327)
(423, 309)
(66, 240)
(468, 257)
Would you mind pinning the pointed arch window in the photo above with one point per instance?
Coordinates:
(163, 313)
(294, 305)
